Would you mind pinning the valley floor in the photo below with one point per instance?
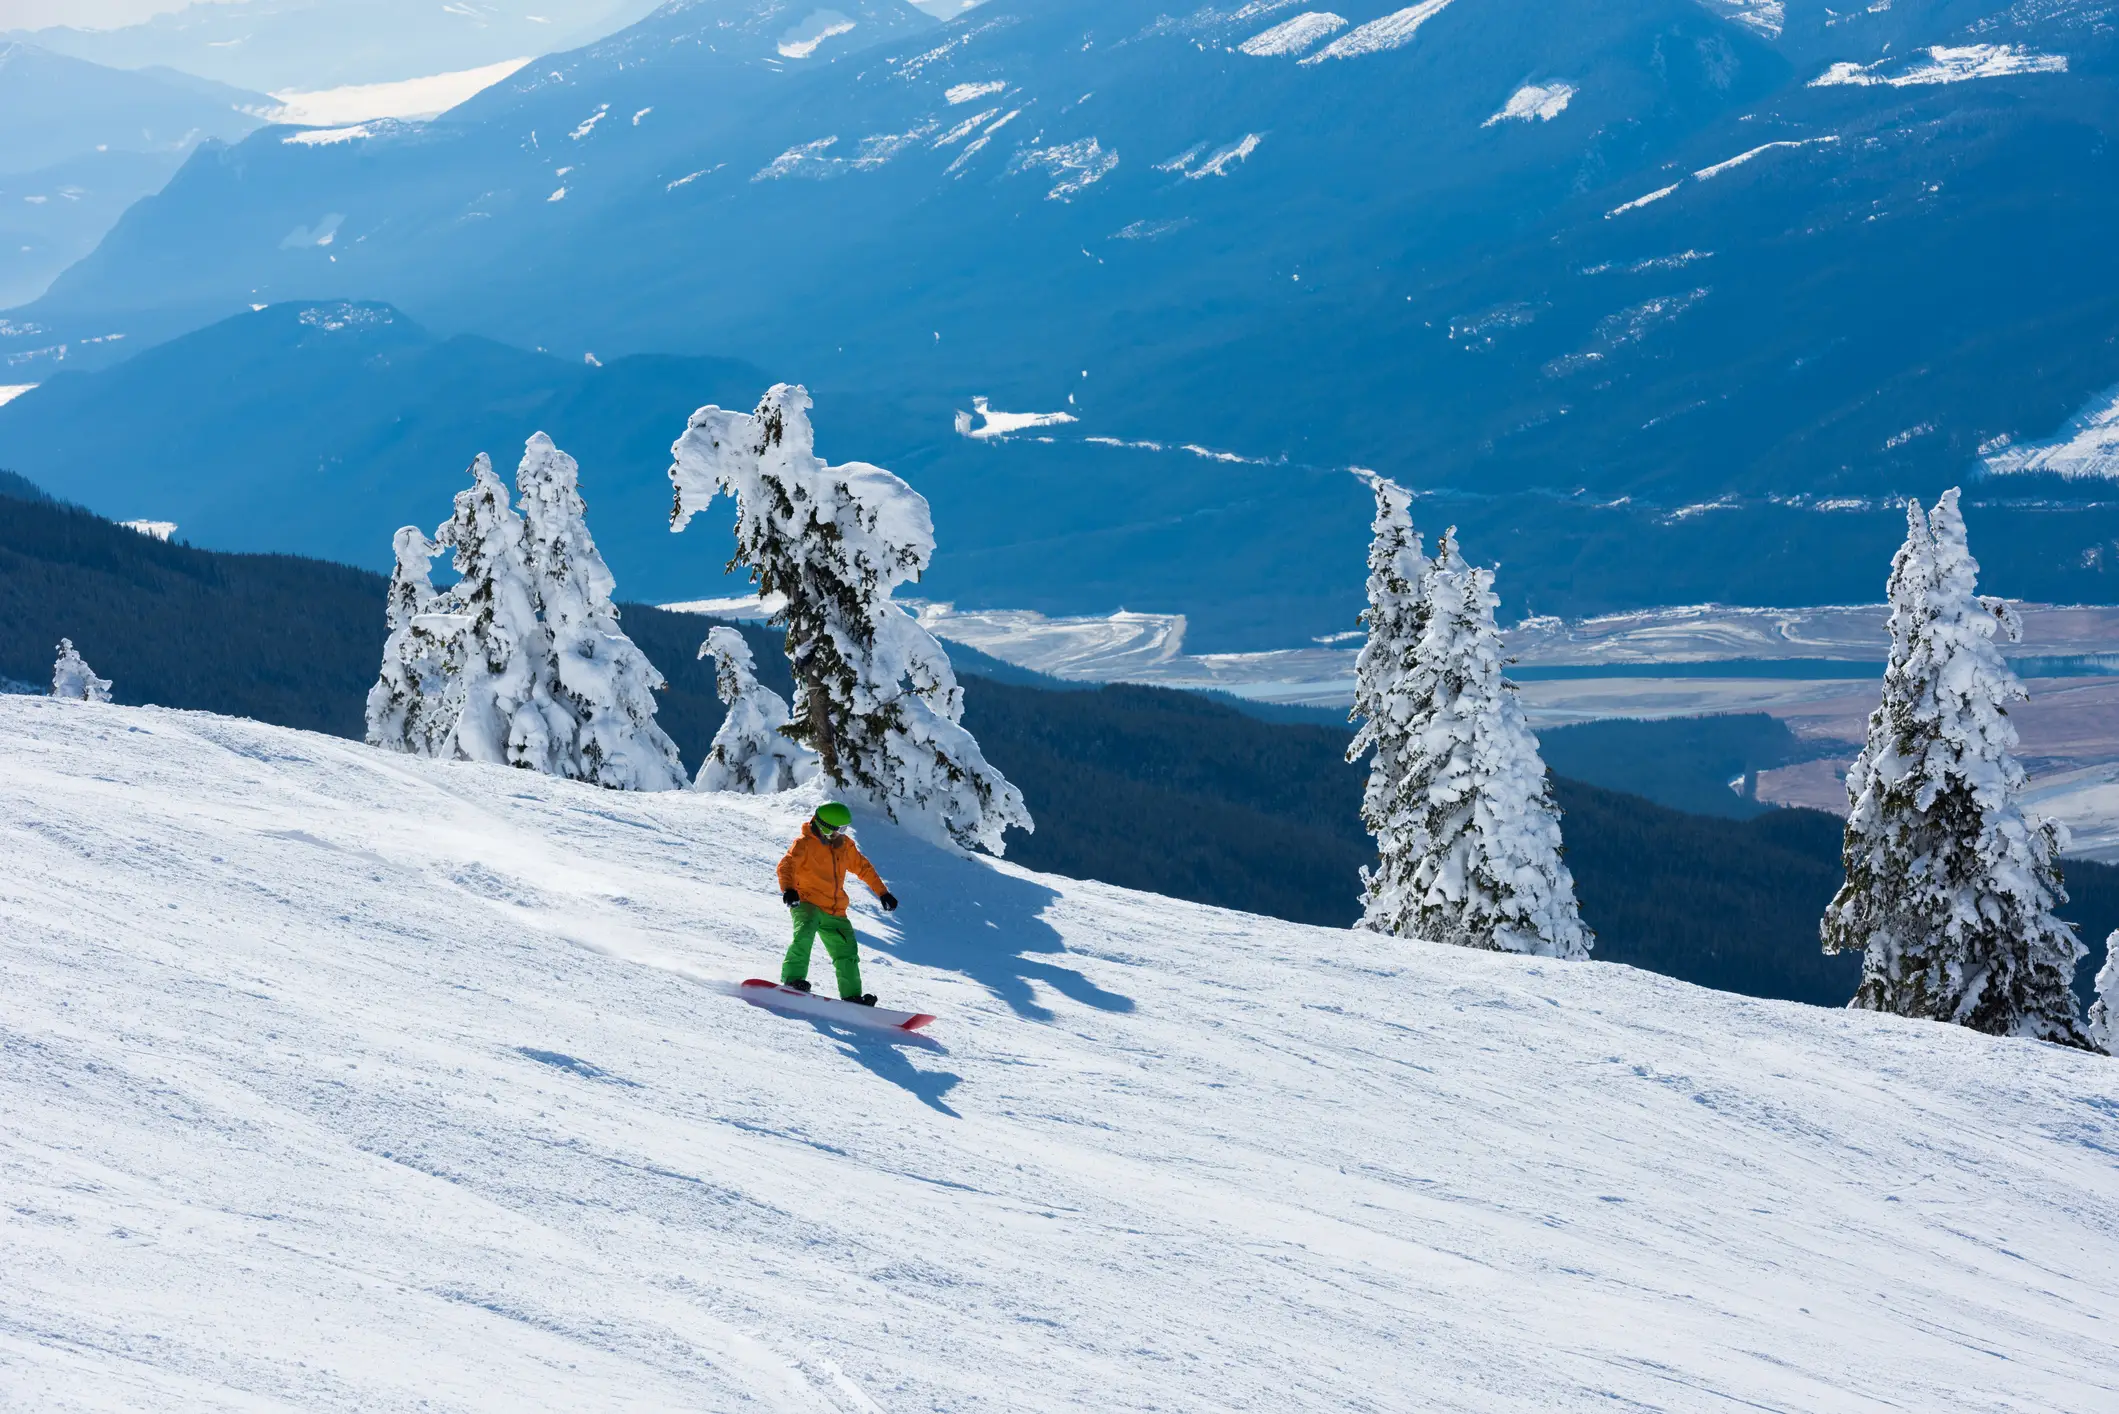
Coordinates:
(336, 1080)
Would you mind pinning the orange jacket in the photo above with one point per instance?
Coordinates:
(817, 870)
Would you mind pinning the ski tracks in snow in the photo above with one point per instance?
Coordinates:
(339, 1080)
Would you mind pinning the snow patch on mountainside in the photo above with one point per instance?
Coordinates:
(1544, 102)
(919, 63)
(1944, 65)
(11, 391)
(1293, 36)
(1182, 160)
(1077, 165)
(329, 137)
(1641, 201)
(802, 40)
(1677, 261)
(1768, 17)
(1148, 230)
(588, 124)
(1708, 173)
(810, 160)
(1629, 326)
(323, 233)
(2087, 446)
(1001, 424)
(964, 129)
(966, 92)
(1217, 165)
(972, 148)
(343, 1080)
(344, 315)
(1391, 32)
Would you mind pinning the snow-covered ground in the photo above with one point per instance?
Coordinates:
(336, 1080)
(1944, 65)
(1544, 102)
(2087, 446)
(1002, 424)
(2069, 731)
(1149, 648)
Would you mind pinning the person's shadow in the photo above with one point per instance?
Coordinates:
(959, 915)
(883, 1054)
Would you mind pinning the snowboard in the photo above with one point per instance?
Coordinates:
(774, 997)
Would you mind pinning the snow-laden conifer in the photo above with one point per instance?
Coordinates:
(2104, 1011)
(1391, 698)
(875, 696)
(600, 676)
(407, 707)
(1950, 888)
(73, 680)
(751, 753)
(502, 654)
(1480, 861)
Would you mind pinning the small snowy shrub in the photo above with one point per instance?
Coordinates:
(875, 696)
(1950, 888)
(751, 753)
(407, 709)
(598, 675)
(73, 680)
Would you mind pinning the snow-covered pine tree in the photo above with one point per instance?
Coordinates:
(502, 655)
(1481, 863)
(875, 696)
(73, 680)
(600, 676)
(750, 753)
(406, 707)
(1391, 699)
(2104, 1012)
(1950, 889)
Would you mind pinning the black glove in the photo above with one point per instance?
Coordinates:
(790, 897)
(889, 901)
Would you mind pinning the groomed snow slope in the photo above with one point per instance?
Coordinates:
(338, 1081)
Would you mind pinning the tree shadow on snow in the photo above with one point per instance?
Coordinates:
(883, 1054)
(961, 916)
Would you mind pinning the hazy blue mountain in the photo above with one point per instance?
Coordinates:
(1311, 260)
(314, 44)
(79, 143)
(52, 217)
(53, 108)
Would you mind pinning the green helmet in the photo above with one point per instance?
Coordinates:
(837, 816)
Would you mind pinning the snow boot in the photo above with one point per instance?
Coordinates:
(800, 984)
(865, 999)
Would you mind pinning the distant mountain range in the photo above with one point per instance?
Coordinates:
(1662, 300)
(79, 143)
(313, 44)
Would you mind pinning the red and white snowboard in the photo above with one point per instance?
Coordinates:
(774, 997)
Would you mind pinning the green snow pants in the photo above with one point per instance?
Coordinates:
(812, 922)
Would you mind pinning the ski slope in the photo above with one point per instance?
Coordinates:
(337, 1081)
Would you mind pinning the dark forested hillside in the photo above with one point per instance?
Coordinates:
(1141, 787)
(274, 637)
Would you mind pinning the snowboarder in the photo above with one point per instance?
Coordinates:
(813, 885)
